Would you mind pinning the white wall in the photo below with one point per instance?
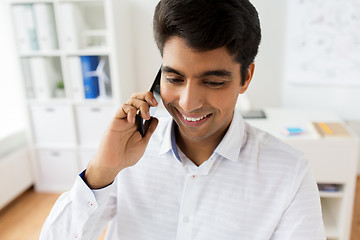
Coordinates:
(11, 96)
(147, 59)
(265, 88)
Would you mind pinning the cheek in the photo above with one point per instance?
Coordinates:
(167, 94)
(225, 101)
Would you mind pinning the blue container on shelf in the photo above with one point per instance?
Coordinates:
(90, 78)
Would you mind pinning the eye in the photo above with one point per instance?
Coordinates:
(214, 84)
(174, 80)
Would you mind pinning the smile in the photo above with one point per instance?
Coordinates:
(193, 119)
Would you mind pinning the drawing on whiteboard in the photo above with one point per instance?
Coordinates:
(323, 42)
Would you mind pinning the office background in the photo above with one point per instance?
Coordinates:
(269, 88)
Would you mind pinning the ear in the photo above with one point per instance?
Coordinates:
(248, 77)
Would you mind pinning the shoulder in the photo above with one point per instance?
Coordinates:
(272, 155)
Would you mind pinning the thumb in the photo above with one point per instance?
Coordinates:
(153, 124)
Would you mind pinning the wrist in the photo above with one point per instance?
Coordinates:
(98, 178)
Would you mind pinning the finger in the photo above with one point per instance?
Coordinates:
(121, 113)
(153, 124)
(130, 112)
(147, 97)
(142, 106)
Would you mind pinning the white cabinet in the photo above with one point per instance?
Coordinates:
(91, 122)
(54, 165)
(53, 125)
(76, 60)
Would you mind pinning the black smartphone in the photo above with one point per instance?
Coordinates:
(142, 124)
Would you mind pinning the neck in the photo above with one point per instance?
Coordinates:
(198, 151)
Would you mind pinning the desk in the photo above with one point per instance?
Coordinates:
(333, 160)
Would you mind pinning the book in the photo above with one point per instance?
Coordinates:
(45, 26)
(25, 28)
(89, 65)
(331, 129)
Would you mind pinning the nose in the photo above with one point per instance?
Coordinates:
(191, 97)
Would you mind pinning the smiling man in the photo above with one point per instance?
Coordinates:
(202, 173)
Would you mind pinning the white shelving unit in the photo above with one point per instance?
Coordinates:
(65, 127)
(333, 161)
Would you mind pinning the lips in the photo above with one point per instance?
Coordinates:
(193, 120)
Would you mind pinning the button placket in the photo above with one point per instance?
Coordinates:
(188, 205)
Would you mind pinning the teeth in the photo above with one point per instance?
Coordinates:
(193, 119)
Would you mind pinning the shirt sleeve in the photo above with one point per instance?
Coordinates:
(81, 213)
(302, 219)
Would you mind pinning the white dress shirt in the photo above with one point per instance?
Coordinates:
(253, 187)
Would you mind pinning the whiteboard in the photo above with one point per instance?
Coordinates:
(323, 42)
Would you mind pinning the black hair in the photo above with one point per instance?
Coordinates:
(209, 24)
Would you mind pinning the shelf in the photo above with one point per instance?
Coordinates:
(79, 1)
(55, 53)
(331, 190)
(324, 194)
(55, 147)
(88, 52)
(52, 101)
(58, 53)
(16, 2)
(330, 209)
(94, 102)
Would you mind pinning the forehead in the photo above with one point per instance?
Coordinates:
(177, 54)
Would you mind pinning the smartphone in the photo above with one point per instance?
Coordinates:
(142, 124)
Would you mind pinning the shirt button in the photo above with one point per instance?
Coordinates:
(90, 204)
(186, 219)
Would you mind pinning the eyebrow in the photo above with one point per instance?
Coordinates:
(218, 73)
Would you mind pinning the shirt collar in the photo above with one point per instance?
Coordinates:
(229, 147)
(169, 141)
(231, 144)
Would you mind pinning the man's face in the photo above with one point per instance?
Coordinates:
(199, 89)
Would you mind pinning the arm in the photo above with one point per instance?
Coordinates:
(84, 211)
(303, 218)
(77, 212)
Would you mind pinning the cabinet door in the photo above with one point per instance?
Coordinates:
(53, 125)
(57, 169)
(92, 122)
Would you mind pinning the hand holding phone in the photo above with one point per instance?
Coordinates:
(120, 147)
(142, 124)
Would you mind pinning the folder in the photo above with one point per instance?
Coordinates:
(25, 28)
(71, 25)
(331, 129)
(42, 75)
(45, 26)
(90, 78)
(75, 77)
(29, 88)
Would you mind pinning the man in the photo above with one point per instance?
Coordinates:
(204, 173)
